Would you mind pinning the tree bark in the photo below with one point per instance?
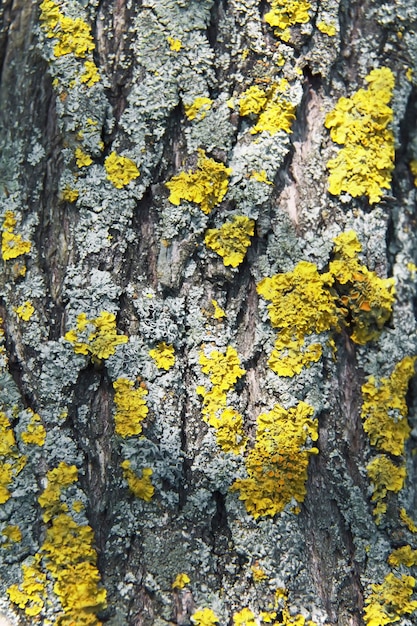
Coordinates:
(82, 83)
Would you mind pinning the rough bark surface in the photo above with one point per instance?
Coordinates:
(100, 242)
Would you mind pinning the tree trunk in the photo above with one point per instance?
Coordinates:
(205, 408)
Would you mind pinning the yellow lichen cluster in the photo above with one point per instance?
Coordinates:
(35, 433)
(403, 556)
(287, 13)
(306, 302)
(198, 109)
(384, 412)
(275, 112)
(25, 311)
(224, 371)
(390, 601)
(97, 337)
(91, 75)
(131, 408)
(120, 170)
(67, 555)
(231, 240)
(408, 521)
(181, 580)
(204, 617)
(163, 355)
(218, 313)
(12, 245)
(174, 44)
(73, 35)
(11, 462)
(327, 28)
(277, 465)
(141, 487)
(206, 186)
(82, 159)
(244, 617)
(12, 533)
(361, 124)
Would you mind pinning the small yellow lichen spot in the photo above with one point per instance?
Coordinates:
(141, 487)
(12, 533)
(30, 595)
(261, 177)
(90, 75)
(120, 170)
(361, 124)
(268, 616)
(413, 168)
(204, 617)
(277, 465)
(206, 186)
(174, 44)
(218, 311)
(231, 240)
(82, 158)
(245, 617)
(253, 100)
(97, 337)
(25, 311)
(163, 355)
(77, 506)
(258, 574)
(389, 601)
(180, 581)
(198, 109)
(131, 408)
(403, 556)
(224, 369)
(287, 13)
(327, 29)
(12, 245)
(35, 434)
(406, 519)
(6, 478)
(409, 74)
(70, 195)
(385, 476)
(278, 114)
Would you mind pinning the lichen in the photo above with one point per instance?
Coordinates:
(390, 601)
(120, 170)
(91, 75)
(141, 487)
(73, 35)
(287, 13)
(231, 240)
(206, 186)
(131, 407)
(403, 556)
(35, 433)
(204, 617)
(163, 355)
(25, 310)
(181, 580)
(277, 464)
(12, 244)
(30, 594)
(363, 167)
(385, 476)
(199, 108)
(96, 337)
(244, 617)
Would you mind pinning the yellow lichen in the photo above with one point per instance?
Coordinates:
(306, 302)
(35, 433)
(403, 556)
(90, 76)
(407, 520)
(181, 580)
(12, 533)
(131, 408)
(218, 311)
(204, 617)
(97, 337)
(12, 245)
(198, 109)
(413, 168)
(327, 28)
(389, 601)
(120, 170)
(6, 479)
(141, 487)
(163, 355)
(258, 574)
(384, 408)
(224, 370)
(174, 44)
(70, 195)
(361, 124)
(287, 13)
(253, 100)
(30, 595)
(231, 240)
(25, 311)
(277, 465)
(278, 114)
(261, 177)
(385, 476)
(245, 617)
(82, 158)
(206, 186)
(73, 35)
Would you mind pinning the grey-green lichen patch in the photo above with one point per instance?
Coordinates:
(214, 131)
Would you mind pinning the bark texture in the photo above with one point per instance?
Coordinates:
(159, 86)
